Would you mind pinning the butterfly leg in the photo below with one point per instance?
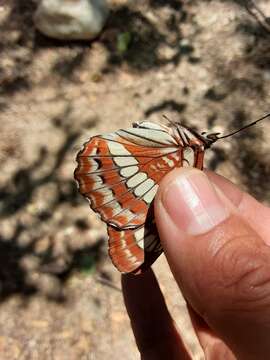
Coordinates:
(198, 157)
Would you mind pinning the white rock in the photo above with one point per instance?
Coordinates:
(71, 19)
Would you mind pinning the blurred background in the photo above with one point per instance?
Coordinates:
(204, 63)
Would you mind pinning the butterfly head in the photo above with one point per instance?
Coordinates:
(190, 137)
(209, 139)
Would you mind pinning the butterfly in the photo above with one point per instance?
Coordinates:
(119, 173)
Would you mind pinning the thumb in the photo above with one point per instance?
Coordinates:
(220, 263)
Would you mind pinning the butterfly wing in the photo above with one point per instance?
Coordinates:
(119, 174)
(135, 250)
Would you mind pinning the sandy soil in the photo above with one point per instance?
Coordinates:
(205, 63)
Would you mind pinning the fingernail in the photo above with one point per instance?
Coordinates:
(193, 203)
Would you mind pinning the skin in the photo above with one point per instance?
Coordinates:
(223, 272)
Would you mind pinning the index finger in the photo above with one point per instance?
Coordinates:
(154, 329)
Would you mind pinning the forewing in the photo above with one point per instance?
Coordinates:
(119, 173)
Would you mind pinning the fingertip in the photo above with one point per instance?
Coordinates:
(256, 214)
(192, 202)
(229, 189)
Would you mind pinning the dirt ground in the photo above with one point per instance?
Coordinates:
(205, 63)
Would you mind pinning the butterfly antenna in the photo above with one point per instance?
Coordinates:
(245, 127)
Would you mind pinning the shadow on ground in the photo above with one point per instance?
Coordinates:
(38, 209)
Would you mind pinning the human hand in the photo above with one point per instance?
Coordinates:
(216, 240)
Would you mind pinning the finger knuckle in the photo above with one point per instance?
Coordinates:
(242, 273)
